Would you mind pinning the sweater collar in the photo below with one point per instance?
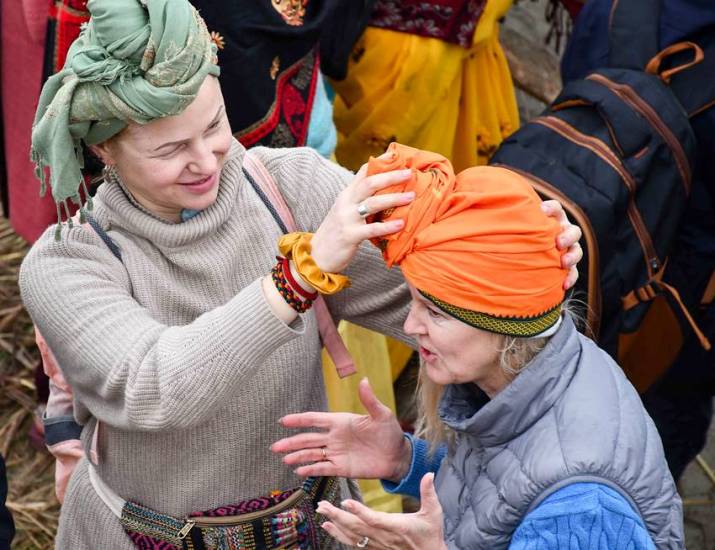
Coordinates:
(465, 408)
(124, 213)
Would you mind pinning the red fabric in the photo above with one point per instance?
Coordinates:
(69, 15)
(573, 7)
(22, 56)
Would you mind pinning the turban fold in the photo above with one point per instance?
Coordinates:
(477, 244)
(136, 60)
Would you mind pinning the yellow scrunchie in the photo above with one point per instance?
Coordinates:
(296, 247)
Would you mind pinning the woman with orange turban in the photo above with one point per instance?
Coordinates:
(536, 437)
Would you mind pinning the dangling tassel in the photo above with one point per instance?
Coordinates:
(67, 214)
(88, 199)
(58, 228)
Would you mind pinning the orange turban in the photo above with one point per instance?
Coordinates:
(478, 245)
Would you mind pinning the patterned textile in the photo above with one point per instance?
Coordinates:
(295, 527)
(450, 20)
(268, 53)
(286, 122)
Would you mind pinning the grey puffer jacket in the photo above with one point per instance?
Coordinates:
(570, 416)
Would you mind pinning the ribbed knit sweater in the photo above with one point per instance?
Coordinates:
(175, 350)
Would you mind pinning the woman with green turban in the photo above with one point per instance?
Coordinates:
(182, 338)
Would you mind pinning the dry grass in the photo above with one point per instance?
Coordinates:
(31, 496)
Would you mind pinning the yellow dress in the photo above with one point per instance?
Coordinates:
(427, 93)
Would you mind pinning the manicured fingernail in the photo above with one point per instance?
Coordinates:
(408, 196)
(397, 224)
(405, 173)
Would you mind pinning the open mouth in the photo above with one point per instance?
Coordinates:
(426, 354)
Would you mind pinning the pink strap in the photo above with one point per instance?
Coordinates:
(326, 325)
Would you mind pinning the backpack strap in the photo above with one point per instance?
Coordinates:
(266, 188)
(633, 31)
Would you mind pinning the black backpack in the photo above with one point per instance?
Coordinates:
(618, 151)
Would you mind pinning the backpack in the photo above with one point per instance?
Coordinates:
(62, 432)
(617, 149)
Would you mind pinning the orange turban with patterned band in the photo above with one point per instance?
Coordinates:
(477, 244)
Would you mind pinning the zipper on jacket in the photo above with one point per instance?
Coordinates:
(604, 152)
(201, 521)
(593, 313)
(629, 96)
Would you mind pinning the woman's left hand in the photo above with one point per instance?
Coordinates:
(358, 526)
(567, 240)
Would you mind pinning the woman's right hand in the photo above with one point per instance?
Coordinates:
(337, 239)
(368, 446)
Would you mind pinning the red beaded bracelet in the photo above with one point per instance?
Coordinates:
(285, 290)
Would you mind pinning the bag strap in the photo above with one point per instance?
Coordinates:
(633, 32)
(690, 75)
(266, 188)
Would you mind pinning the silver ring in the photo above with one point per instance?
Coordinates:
(364, 212)
(362, 543)
(325, 454)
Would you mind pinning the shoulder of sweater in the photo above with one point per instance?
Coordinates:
(309, 182)
(80, 243)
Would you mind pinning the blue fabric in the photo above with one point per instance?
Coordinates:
(322, 135)
(588, 46)
(587, 516)
(422, 463)
(188, 213)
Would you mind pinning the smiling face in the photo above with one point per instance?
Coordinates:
(453, 352)
(174, 163)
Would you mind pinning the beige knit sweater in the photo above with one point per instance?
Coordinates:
(175, 350)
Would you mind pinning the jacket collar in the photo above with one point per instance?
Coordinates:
(465, 408)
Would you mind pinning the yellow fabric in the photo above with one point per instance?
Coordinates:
(370, 352)
(428, 94)
(296, 247)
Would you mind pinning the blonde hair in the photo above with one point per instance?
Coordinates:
(515, 353)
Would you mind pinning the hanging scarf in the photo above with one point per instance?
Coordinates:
(137, 60)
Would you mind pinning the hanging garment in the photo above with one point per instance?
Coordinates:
(427, 93)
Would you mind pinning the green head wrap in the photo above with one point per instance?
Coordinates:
(136, 60)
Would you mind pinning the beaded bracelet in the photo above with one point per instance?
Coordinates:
(285, 290)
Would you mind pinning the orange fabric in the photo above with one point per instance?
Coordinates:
(478, 240)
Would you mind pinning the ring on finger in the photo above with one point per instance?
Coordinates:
(363, 210)
(363, 542)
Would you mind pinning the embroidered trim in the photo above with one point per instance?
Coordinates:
(286, 122)
(511, 326)
(453, 21)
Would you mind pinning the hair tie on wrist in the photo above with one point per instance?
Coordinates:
(297, 247)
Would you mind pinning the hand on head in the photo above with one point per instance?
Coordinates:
(358, 525)
(348, 445)
(337, 239)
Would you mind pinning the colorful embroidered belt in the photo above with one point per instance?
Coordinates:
(282, 520)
